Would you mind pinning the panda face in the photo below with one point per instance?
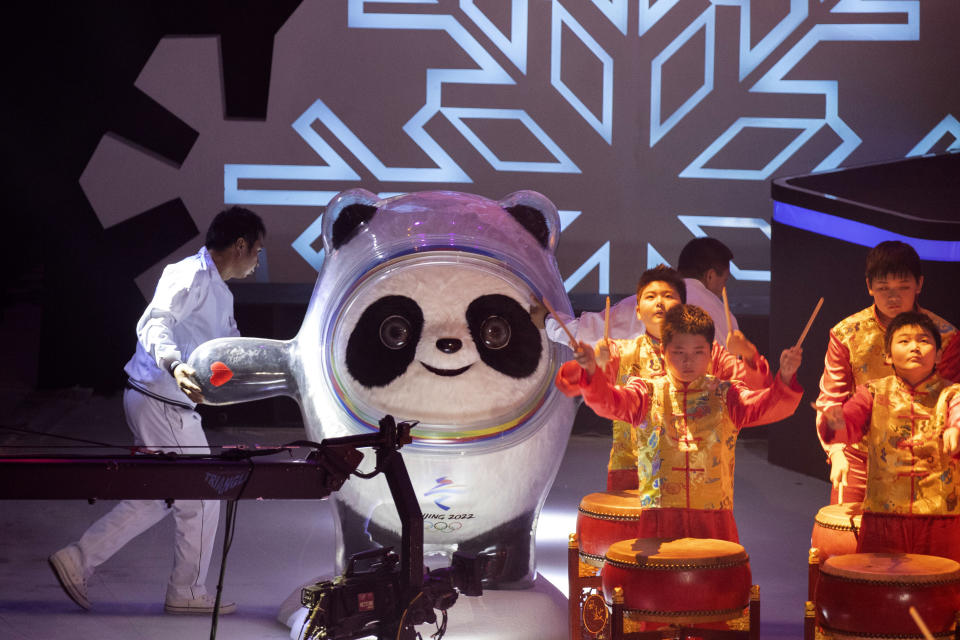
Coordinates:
(445, 343)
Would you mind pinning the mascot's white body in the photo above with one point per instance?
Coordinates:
(422, 310)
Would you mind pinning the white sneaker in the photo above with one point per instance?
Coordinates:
(66, 566)
(202, 605)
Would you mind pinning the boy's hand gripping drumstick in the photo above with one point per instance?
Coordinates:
(813, 316)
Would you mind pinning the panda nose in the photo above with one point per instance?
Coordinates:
(449, 345)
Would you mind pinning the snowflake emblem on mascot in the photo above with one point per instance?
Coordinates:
(426, 309)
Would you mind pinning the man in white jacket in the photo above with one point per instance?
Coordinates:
(704, 264)
(191, 305)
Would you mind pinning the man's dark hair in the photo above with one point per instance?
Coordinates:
(663, 273)
(911, 319)
(702, 254)
(893, 258)
(686, 318)
(233, 223)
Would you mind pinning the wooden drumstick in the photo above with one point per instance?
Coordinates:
(606, 322)
(813, 316)
(573, 339)
(920, 623)
(726, 311)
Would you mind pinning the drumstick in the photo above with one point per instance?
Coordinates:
(920, 623)
(813, 315)
(726, 311)
(606, 322)
(573, 339)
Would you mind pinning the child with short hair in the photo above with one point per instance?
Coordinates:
(910, 423)
(686, 424)
(659, 290)
(855, 353)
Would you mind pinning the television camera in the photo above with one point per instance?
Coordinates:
(382, 593)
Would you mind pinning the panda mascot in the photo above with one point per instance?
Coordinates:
(427, 308)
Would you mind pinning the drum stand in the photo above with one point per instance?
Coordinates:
(585, 587)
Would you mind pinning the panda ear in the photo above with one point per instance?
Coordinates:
(345, 214)
(536, 214)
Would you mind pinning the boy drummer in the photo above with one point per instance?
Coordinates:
(659, 290)
(910, 423)
(855, 353)
(686, 425)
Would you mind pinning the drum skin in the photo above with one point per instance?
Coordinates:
(835, 529)
(604, 518)
(871, 593)
(684, 580)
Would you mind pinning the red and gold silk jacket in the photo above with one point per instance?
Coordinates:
(902, 427)
(855, 356)
(643, 357)
(686, 433)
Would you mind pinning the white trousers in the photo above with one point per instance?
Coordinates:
(162, 426)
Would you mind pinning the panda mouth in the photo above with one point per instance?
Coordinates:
(445, 372)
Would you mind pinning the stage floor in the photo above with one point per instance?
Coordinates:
(280, 544)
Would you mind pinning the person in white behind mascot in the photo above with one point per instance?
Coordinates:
(426, 309)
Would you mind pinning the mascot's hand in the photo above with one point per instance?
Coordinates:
(185, 375)
(839, 467)
(538, 314)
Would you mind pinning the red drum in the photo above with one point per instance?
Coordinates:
(685, 581)
(605, 518)
(835, 529)
(871, 594)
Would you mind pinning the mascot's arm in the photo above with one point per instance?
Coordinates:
(231, 370)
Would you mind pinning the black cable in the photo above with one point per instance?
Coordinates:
(54, 435)
(228, 529)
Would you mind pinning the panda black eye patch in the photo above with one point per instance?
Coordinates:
(506, 338)
(384, 341)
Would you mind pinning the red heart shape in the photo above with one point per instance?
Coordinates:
(220, 374)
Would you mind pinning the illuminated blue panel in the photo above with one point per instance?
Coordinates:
(457, 116)
(616, 12)
(310, 235)
(650, 14)
(751, 57)
(603, 125)
(707, 22)
(567, 217)
(489, 72)
(696, 223)
(774, 80)
(601, 260)
(948, 125)
(514, 47)
(654, 258)
(807, 127)
(233, 194)
(860, 233)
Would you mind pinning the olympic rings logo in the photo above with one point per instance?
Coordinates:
(445, 527)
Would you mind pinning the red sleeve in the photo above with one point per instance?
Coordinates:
(726, 366)
(949, 367)
(856, 416)
(612, 370)
(836, 383)
(753, 407)
(628, 402)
